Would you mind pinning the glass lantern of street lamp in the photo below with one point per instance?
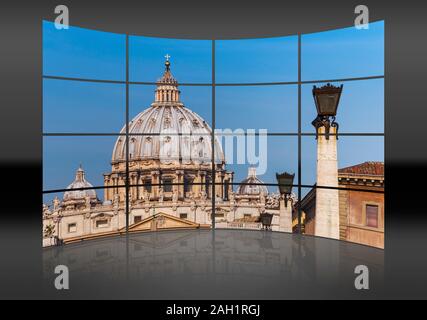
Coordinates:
(326, 99)
(285, 181)
(266, 219)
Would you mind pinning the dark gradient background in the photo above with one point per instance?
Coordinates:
(20, 100)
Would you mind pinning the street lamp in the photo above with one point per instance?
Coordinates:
(266, 219)
(326, 99)
(285, 181)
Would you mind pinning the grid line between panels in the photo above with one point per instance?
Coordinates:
(299, 135)
(127, 134)
(278, 83)
(213, 139)
(362, 134)
(234, 184)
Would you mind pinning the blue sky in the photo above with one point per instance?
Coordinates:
(76, 106)
(343, 53)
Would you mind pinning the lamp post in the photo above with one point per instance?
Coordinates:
(285, 181)
(326, 99)
(326, 222)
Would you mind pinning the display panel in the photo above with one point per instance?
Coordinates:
(83, 53)
(273, 108)
(194, 134)
(257, 60)
(83, 107)
(343, 53)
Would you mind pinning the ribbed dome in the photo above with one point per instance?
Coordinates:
(80, 182)
(252, 185)
(168, 131)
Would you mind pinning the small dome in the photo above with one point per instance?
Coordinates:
(80, 182)
(252, 185)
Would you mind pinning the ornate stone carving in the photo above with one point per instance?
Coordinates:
(56, 204)
(272, 201)
(87, 202)
(46, 210)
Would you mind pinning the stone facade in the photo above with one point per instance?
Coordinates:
(361, 205)
(170, 175)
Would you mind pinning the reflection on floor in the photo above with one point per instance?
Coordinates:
(202, 264)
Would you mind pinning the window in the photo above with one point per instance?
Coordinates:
(183, 216)
(372, 216)
(104, 223)
(167, 185)
(72, 227)
(188, 187)
(147, 185)
(208, 182)
(137, 219)
(247, 215)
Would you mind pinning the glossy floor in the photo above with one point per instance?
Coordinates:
(224, 264)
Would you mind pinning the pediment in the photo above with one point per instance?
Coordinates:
(162, 221)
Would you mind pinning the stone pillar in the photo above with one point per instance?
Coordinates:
(122, 189)
(106, 190)
(155, 180)
(285, 215)
(133, 190)
(115, 183)
(327, 200)
(180, 187)
(197, 187)
(219, 187)
(203, 181)
(140, 188)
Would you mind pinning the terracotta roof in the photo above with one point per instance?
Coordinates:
(369, 168)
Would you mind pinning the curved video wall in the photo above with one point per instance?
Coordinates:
(144, 134)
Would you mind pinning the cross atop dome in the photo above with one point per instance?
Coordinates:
(80, 173)
(167, 86)
(167, 62)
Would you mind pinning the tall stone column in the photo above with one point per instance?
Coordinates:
(327, 200)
